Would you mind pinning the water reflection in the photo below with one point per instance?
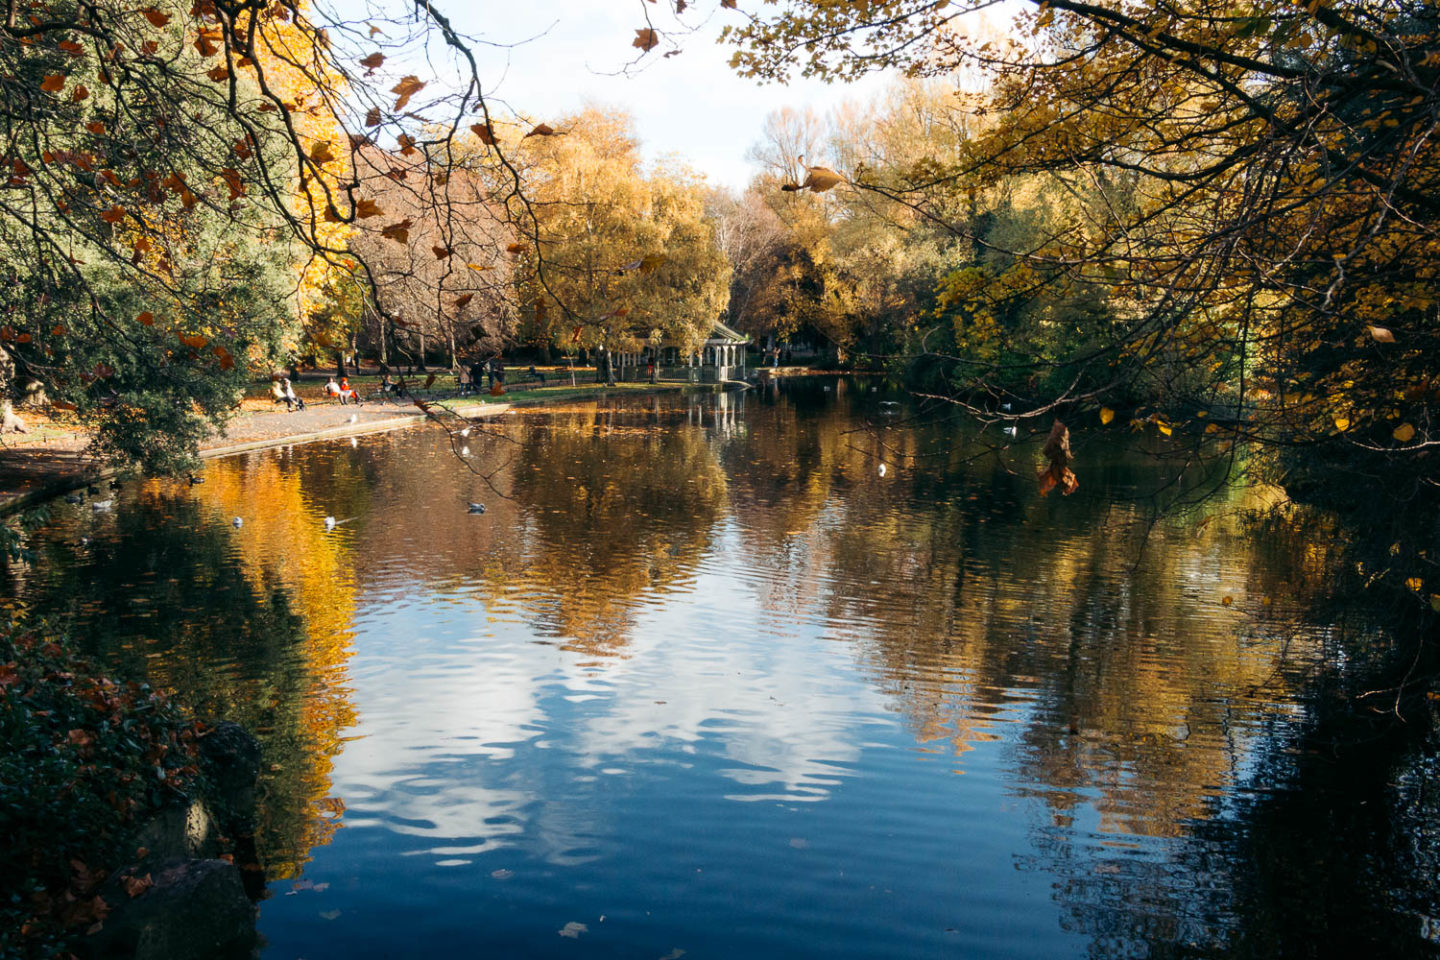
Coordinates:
(704, 669)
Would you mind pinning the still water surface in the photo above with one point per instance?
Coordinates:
(703, 681)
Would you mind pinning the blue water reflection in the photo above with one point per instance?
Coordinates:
(702, 679)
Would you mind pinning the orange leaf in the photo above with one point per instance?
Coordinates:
(71, 47)
(194, 341)
(373, 61)
(368, 208)
(135, 886)
(146, 318)
(53, 83)
(399, 232)
(114, 215)
(407, 88)
(646, 39)
(516, 248)
(461, 302)
(81, 92)
(320, 153)
(484, 132)
(440, 252)
(219, 74)
(541, 130)
(96, 127)
(407, 146)
(233, 181)
(62, 405)
(728, 5)
(372, 118)
(156, 18)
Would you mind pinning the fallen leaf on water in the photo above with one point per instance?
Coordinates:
(1404, 433)
(573, 930)
(330, 915)
(502, 874)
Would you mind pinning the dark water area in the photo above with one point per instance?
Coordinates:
(706, 681)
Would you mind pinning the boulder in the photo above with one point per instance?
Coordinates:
(182, 830)
(178, 910)
(230, 759)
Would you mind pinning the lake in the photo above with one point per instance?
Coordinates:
(805, 671)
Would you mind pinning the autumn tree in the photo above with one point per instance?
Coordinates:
(437, 258)
(178, 193)
(620, 258)
(1262, 180)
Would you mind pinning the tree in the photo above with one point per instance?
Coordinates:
(437, 261)
(178, 191)
(619, 258)
(1261, 184)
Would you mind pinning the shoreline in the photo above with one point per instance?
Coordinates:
(32, 474)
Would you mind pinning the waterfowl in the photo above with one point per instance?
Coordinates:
(476, 507)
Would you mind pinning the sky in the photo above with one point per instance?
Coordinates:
(547, 58)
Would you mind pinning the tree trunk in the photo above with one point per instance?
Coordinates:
(340, 364)
(420, 364)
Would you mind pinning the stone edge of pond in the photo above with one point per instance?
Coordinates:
(61, 481)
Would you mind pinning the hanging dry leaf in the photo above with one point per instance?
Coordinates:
(479, 266)
(484, 132)
(440, 252)
(407, 145)
(96, 127)
(516, 248)
(114, 215)
(146, 318)
(156, 18)
(53, 83)
(233, 181)
(219, 74)
(820, 179)
(462, 302)
(194, 341)
(728, 5)
(541, 130)
(1106, 415)
(407, 88)
(373, 61)
(368, 208)
(646, 39)
(321, 154)
(372, 117)
(1382, 334)
(399, 232)
(1058, 473)
(653, 262)
(1404, 433)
